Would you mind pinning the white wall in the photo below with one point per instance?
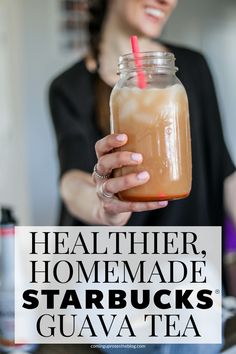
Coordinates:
(29, 57)
(13, 172)
(43, 60)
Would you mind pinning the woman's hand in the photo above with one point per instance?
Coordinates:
(112, 211)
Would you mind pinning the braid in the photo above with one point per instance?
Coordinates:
(97, 13)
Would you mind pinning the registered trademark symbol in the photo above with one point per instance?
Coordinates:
(217, 291)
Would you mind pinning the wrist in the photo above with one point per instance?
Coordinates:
(119, 219)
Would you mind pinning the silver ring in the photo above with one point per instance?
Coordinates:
(95, 171)
(103, 193)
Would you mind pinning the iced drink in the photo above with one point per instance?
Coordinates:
(156, 122)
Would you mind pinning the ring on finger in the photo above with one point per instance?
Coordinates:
(104, 193)
(98, 175)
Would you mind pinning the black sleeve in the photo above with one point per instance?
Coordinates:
(220, 159)
(75, 150)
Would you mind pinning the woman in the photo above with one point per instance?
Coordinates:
(79, 105)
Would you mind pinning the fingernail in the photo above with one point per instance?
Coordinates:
(136, 157)
(163, 203)
(121, 137)
(143, 175)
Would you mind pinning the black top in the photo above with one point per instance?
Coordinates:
(72, 103)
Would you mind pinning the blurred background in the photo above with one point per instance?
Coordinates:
(39, 39)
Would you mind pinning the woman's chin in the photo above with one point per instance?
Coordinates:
(150, 31)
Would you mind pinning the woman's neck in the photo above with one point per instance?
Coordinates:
(115, 41)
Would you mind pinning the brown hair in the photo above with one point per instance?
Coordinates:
(97, 12)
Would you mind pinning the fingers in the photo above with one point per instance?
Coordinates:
(115, 185)
(109, 143)
(107, 163)
(116, 206)
(118, 184)
(109, 160)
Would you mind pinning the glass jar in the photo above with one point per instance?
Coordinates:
(156, 121)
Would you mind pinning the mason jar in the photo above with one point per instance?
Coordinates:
(155, 117)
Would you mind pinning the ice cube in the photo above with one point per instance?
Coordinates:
(129, 107)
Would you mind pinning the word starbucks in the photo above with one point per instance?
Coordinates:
(118, 299)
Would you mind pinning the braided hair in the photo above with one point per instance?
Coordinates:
(97, 11)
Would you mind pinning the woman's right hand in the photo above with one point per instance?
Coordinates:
(112, 211)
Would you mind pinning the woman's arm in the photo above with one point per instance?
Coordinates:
(76, 187)
(230, 196)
